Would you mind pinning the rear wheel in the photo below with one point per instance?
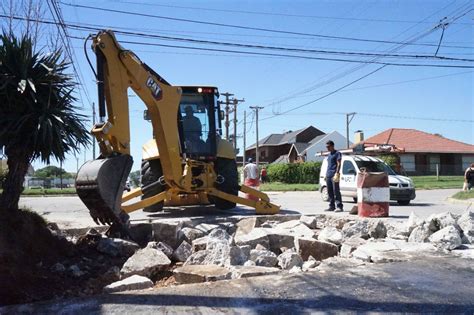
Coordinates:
(324, 194)
(227, 168)
(150, 173)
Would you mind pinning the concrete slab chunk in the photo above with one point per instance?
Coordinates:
(320, 250)
(134, 282)
(252, 271)
(201, 273)
(145, 262)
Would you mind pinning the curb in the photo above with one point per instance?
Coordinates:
(457, 201)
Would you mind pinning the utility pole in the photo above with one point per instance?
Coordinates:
(236, 102)
(93, 137)
(349, 117)
(227, 112)
(245, 137)
(256, 108)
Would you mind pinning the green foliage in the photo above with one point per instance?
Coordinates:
(37, 112)
(50, 171)
(135, 178)
(294, 173)
(390, 159)
(277, 186)
(464, 195)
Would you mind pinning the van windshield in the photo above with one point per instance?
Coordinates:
(373, 166)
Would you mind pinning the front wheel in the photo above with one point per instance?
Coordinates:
(227, 168)
(324, 194)
(151, 172)
(403, 202)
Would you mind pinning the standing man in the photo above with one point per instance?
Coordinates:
(469, 177)
(251, 174)
(333, 177)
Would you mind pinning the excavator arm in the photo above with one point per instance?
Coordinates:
(100, 182)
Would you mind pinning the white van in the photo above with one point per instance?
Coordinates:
(402, 188)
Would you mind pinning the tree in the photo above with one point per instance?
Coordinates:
(135, 178)
(38, 118)
(50, 171)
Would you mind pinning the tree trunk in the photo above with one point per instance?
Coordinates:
(18, 164)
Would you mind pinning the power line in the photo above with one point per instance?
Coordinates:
(358, 67)
(76, 26)
(245, 27)
(295, 56)
(276, 14)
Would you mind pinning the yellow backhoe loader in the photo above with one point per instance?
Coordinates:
(186, 162)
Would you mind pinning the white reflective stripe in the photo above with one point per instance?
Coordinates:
(373, 194)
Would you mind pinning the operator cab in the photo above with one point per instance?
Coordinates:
(199, 122)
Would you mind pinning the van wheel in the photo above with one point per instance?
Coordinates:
(403, 202)
(324, 194)
(354, 199)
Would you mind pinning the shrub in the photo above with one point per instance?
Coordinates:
(294, 173)
(390, 159)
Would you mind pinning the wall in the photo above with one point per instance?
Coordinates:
(339, 143)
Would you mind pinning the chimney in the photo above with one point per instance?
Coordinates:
(358, 136)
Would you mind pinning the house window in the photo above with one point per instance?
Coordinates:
(433, 160)
(407, 161)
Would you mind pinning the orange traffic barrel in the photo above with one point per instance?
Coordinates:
(373, 194)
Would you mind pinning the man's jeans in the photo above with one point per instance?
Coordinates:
(334, 193)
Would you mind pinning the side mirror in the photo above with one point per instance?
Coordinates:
(146, 115)
(221, 115)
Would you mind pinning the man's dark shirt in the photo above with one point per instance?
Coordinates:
(332, 163)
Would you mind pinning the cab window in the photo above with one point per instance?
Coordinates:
(196, 123)
(348, 168)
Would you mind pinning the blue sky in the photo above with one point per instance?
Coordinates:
(444, 93)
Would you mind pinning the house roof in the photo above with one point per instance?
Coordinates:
(279, 138)
(300, 147)
(412, 141)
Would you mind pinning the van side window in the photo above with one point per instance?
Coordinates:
(348, 168)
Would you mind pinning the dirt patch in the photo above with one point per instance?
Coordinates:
(37, 263)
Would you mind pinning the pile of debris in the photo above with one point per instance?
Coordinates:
(252, 247)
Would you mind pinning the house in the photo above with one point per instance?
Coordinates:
(318, 144)
(422, 153)
(276, 147)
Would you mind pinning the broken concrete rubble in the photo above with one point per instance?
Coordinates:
(310, 264)
(201, 273)
(320, 250)
(310, 222)
(420, 234)
(289, 259)
(189, 234)
(358, 228)
(167, 232)
(466, 223)
(200, 244)
(145, 262)
(134, 282)
(117, 247)
(331, 235)
(377, 229)
(165, 248)
(205, 227)
(351, 245)
(263, 257)
(247, 271)
(447, 238)
(183, 251)
(252, 238)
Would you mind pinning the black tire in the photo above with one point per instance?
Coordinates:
(226, 168)
(403, 202)
(354, 199)
(151, 172)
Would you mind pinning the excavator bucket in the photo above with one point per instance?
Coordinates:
(100, 184)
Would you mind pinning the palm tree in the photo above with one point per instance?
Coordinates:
(38, 118)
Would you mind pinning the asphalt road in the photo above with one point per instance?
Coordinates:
(69, 212)
(424, 285)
